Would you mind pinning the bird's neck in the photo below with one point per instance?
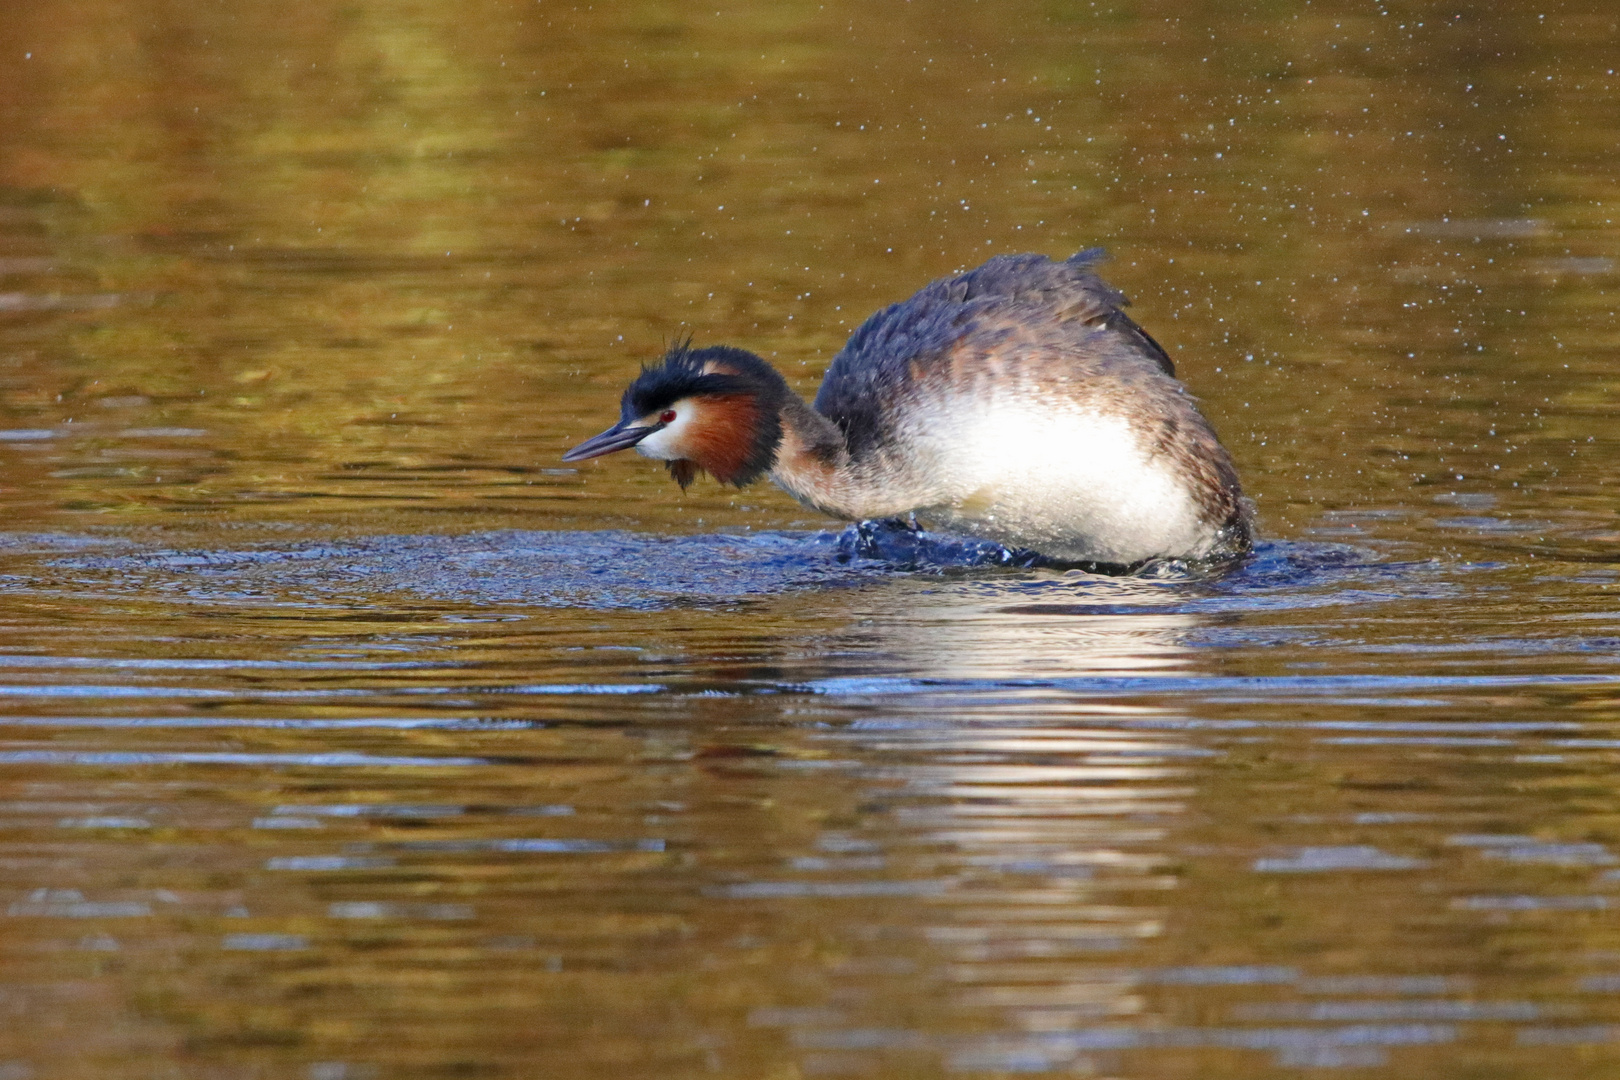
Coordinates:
(813, 461)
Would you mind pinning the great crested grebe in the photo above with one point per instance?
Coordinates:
(1016, 403)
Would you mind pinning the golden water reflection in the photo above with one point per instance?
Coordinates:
(301, 774)
(396, 258)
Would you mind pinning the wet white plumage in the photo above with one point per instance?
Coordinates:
(1070, 483)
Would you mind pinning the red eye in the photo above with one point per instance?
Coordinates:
(667, 416)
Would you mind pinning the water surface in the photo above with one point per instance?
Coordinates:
(347, 732)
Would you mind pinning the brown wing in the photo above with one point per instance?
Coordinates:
(1011, 306)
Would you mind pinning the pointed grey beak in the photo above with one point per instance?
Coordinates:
(621, 436)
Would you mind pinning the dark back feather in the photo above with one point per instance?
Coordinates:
(1028, 302)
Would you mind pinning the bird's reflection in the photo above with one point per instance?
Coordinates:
(1034, 803)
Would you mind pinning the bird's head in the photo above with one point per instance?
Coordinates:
(716, 409)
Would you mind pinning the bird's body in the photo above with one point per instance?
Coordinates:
(1016, 403)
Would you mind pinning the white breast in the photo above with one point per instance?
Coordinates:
(1068, 482)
